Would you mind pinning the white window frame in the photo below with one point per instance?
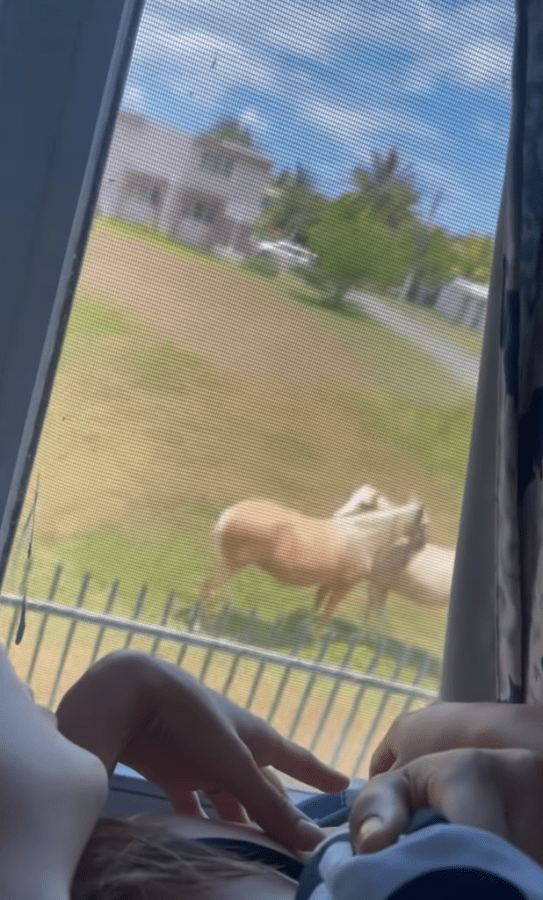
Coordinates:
(62, 73)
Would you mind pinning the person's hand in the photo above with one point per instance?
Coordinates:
(437, 727)
(184, 737)
(497, 790)
(447, 726)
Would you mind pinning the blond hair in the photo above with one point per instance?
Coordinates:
(131, 860)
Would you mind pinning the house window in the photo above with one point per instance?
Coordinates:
(201, 212)
(148, 195)
(217, 163)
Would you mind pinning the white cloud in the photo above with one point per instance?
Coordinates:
(483, 61)
(469, 44)
(252, 119)
(357, 130)
(196, 62)
(310, 30)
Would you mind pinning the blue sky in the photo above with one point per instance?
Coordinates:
(323, 83)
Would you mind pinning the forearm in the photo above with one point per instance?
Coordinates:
(51, 795)
(107, 706)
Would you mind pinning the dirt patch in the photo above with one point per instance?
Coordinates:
(201, 307)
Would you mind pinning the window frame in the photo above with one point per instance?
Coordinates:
(62, 75)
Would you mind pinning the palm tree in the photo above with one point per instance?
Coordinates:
(389, 191)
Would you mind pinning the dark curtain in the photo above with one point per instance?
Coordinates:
(494, 641)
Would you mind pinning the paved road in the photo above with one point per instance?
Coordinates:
(462, 365)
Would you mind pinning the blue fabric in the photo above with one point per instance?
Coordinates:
(437, 861)
(328, 810)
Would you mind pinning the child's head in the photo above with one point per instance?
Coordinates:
(135, 860)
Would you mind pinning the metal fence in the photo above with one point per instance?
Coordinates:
(335, 708)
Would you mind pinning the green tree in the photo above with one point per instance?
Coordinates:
(294, 204)
(231, 130)
(353, 245)
(386, 189)
(474, 257)
(436, 266)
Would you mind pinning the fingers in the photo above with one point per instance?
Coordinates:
(271, 808)
(300, 763)
(186, 803)
(274, 779)
(382, 760)
(228, 807)
(380, 813)
(466, 786)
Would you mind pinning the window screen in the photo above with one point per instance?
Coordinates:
(280, 310)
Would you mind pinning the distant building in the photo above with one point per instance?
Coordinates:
(196, 189)
(464, 302)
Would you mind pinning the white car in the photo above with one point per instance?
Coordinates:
(286, 253)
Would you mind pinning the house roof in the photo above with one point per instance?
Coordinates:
(235, 149)
(169, 135)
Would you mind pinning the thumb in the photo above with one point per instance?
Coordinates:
(380, 813)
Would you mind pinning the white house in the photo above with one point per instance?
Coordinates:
(196, 189)
(463, 302)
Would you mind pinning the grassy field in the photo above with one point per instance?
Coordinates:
(187, 383)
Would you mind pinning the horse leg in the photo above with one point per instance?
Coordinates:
(319, 597)
(220, 574)
(336, 596)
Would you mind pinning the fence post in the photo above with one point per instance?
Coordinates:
(136, 614)
(109, 606)
(325, 643)
(220, 622)
(285, 677)
(247, 635)
(382, 706)
(261, 666)
(332, 696)
(45, 616)
(69, 638)
(165, 616)
(373, 663)
(423, 669)
(192, 622)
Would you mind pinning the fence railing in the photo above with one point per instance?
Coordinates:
(334, 708)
